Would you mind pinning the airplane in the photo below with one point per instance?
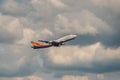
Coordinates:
(56, 43)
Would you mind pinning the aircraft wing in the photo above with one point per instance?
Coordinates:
(44, 41)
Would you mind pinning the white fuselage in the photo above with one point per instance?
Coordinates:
(66, 38)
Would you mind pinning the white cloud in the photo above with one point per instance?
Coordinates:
(69, 55)
(15, 8)
(11, 29)
(46, 12)
(51, 3)
(110, 4)
(46, 32)
(35, 78)
(23, 78)
(113, 3)
(100, 77)
(28, 35)
(57, 3)
(69, 77)
(85, 57)
(84, 22)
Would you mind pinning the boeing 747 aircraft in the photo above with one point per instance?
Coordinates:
(56, 43)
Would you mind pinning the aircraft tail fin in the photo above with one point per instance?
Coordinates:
(36, 45)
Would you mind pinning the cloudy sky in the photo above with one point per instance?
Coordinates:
(93, 55)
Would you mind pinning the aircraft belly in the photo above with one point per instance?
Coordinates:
(37, 47)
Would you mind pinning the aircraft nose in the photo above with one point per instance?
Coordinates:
(74, 35)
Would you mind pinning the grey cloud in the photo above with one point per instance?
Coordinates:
(11, 29)
(15, 8)
(83, 22)
(16, 63)
(37, 9)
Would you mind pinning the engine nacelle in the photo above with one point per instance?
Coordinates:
(62, 44)
(57, 44)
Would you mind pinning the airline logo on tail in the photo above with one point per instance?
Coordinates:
(36, 45)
